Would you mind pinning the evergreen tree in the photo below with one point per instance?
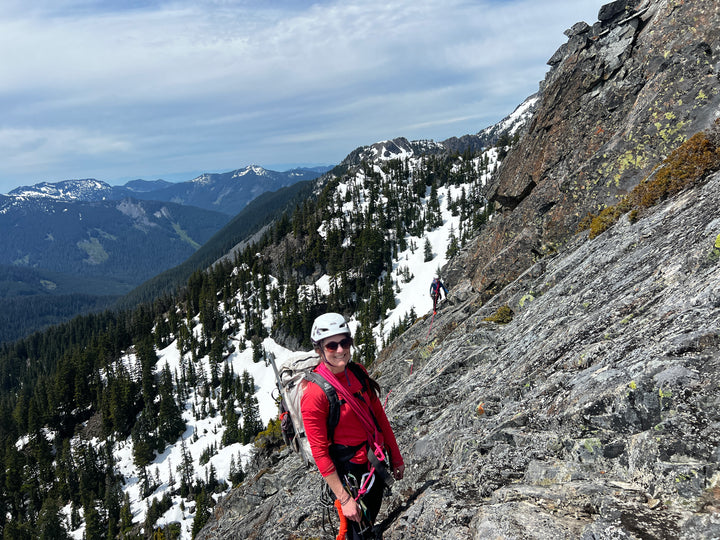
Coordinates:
(16, 529)
(145, 441)
(211, 482)
(236, 473)
(148, 358)
(428, 252)
(93, 524)
(252, 425)
(365, 346)
(231, 434)
(126, 515)
(186, 470)
(170, 421)
(258, 351)
(453, 246)
(388, 294)
(112, 497)
(50, 524)
(434, 212)
(202, 512)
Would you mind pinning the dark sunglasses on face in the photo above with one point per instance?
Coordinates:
(333, 345)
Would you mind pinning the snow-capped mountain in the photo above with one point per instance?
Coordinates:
(227, 192)
(402, 148)
(88, 189)
(513, 122)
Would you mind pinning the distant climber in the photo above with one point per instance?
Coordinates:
(436, 290)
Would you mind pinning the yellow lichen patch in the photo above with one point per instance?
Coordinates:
(672, 134)
(687, 164)
(503, 315)
(527, 298)
(634, 158)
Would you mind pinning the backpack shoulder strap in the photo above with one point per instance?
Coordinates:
(360, 373)
(364, 379)
(333, 401)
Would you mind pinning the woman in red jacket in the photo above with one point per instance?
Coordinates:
(343, 461)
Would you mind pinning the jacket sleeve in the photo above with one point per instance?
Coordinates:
(390, 442)
(315, 407)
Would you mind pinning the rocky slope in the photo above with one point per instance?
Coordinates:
(620, 95)
(593, 413)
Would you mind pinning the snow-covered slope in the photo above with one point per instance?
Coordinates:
(411, 274)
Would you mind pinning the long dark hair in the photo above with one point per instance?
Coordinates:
(374, 386)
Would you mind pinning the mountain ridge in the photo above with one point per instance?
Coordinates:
(123, 234)
(568, 388)
(205, 191)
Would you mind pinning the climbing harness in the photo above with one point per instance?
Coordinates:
(368, 479)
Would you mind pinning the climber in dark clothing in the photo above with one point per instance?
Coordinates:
(435, 290)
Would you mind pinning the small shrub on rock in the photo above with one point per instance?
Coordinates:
(271, 437)
(688, 164)
(503, 315)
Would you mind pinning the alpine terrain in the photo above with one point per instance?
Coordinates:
(568, 387)
(76, 246)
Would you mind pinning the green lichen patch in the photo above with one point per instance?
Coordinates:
(688, 164)
(503, 315)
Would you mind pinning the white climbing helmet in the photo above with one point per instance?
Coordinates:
(328, 324)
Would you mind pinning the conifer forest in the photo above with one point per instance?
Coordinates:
(69, 395)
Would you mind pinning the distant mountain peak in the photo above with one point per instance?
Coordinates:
(146, 186)
(67, 190)
(255, 169)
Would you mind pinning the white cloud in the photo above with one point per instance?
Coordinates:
(216, 85)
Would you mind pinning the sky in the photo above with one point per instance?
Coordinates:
(124, 89)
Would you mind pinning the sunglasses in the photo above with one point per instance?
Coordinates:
(333, 345)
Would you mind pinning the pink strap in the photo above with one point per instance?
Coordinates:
(363, 414)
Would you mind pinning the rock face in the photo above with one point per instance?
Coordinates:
(619, 97)
(595, 412)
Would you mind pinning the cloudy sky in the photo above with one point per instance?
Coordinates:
(124, 89)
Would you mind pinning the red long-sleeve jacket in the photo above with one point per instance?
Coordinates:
(349, 431)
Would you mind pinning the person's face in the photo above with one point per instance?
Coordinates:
(337, 351)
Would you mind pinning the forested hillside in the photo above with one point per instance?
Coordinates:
(62, 258)
(76, 246)
(77, 396)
